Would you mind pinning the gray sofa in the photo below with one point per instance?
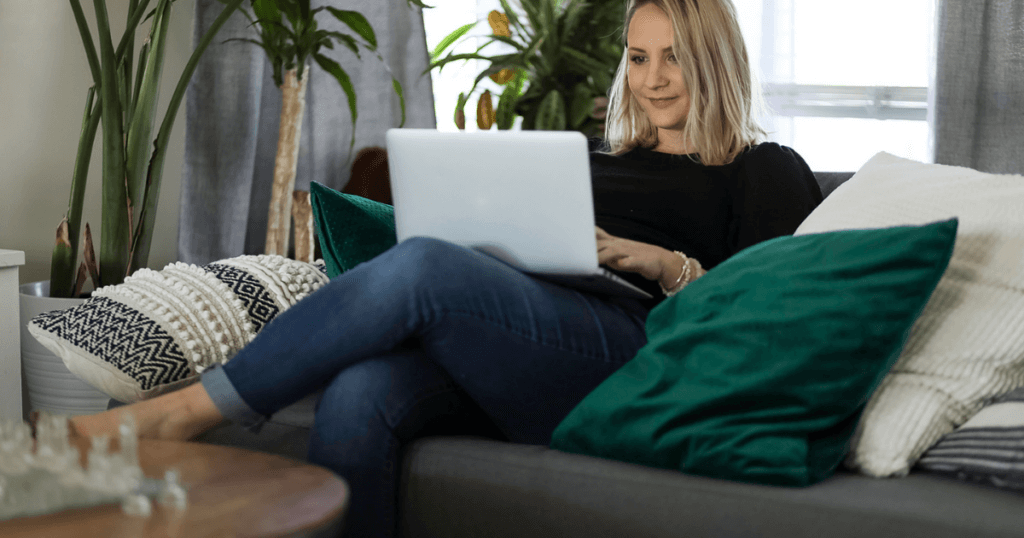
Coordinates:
(466, 486)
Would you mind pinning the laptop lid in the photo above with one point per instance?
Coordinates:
(523, 197)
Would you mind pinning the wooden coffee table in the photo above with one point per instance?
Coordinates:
(231, 492)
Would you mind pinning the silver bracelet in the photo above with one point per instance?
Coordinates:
(685, 275)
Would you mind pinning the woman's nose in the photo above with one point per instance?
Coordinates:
(656, 75)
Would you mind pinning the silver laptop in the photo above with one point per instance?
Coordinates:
(523, 197)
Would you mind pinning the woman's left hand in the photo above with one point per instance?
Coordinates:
(631, 256)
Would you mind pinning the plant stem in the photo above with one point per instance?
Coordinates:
(114, 234)
(150, 199)
(293, 105)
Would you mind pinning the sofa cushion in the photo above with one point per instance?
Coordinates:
(351, 229)
(759, 370)
(158, 330)
(968, 345)
(988, 448)
(460, 487)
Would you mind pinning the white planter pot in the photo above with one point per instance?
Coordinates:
(51, 386)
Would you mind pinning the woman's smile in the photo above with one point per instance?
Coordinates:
(662, 102)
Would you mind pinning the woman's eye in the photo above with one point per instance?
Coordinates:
(672, 58)
(637, 59)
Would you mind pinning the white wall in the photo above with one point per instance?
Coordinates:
(44, 77)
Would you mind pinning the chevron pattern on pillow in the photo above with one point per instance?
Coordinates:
(159, 330)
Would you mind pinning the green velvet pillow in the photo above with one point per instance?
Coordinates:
(351, 229)
(759, 370)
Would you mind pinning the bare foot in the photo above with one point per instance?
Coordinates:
(175, 416)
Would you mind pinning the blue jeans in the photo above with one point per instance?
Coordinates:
(426, 338)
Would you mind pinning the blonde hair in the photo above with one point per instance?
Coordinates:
(709, 46)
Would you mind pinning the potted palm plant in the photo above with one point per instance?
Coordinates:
(123, 100)
(561, 58)
(291, 36)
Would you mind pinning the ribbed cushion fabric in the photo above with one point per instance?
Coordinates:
(988, 448)
(968, 344)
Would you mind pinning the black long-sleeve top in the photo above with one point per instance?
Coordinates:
(706, 212)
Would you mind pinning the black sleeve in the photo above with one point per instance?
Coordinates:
(776, 192)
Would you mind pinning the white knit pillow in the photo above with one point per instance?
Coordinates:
(968, 344)
(159, 330)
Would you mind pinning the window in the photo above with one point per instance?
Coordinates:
(842, 81)
(458, 77)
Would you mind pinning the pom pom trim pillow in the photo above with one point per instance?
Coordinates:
(968, 345)
(157, 331)
(759, 370)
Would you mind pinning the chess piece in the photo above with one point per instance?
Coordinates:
(172, 495)
(129, 437)
(136, 504)
(15, 449)
(98, 473)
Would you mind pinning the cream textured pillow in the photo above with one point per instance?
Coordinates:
(159, 330)
(968, 344)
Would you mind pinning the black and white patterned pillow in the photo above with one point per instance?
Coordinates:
(987, 449)
(159, 330)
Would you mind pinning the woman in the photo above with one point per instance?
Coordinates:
(430, 337)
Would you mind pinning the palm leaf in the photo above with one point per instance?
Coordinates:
(573, 13)
(401, 98)
(358, 23)
(338, 73)
(513, 19)
(449, 39)
(533, 15)
(266, 10)
(583, 63)
(508, 41)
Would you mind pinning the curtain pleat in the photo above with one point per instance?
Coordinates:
(979, 86)
(233, 110)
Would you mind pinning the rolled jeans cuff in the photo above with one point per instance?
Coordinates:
(229, 402)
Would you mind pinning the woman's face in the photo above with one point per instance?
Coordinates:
(654, 75)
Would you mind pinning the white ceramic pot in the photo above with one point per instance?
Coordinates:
(50, 385)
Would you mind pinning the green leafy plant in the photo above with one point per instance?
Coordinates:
(123, 99)
(562, 56)
(291, 37)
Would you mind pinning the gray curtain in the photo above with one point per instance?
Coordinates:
(979, 85)
(233, 111)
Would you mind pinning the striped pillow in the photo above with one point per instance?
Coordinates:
(968, 344)
(988, 448)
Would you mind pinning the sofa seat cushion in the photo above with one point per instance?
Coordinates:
(469, 486)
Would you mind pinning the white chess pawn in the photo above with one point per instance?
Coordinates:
(48, 455)
(172, 495)
(16, 450)
(98, 473)
(136, 504)
(128, 433)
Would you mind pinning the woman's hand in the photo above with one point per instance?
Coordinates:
(633, 256)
